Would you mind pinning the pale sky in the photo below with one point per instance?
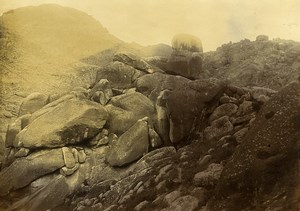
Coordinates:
(215, 22)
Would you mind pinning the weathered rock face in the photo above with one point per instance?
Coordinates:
(152, 85)
(133, 60)
(267, 158)
(25, 170)
(101, 92)
(187, 56)
(132, 145)
(218, 128)
(120, 75)
(179, 102)
(124, 110)
(69, 122)
(32, 103)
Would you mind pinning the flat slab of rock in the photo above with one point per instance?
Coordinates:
(131, 146)
(25, 170)
(69, 122)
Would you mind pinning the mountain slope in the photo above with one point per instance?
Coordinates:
(47, 39)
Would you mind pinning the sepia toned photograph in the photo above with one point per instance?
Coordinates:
(149, 105)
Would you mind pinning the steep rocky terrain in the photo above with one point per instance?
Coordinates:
(263, 62)
(148, 128)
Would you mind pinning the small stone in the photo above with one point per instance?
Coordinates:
(140, 190)
(155, 140)
(103, 141)
(241, 120)
(68, 171)
(162, 186)
(162, 172)
(141, 206)
(22, 152)
(68, 157)
(185, 203)
(81, 156)
(87, 202)
(239, 135)
(80, 207)
(97, 206)
(204, 162)
(210, 176)
(25, 120)
(75, 154)
(138, 186)
(211, 150)
(227, 99)
(245, 108)
(227, 109)
(170, 197)
(111, 208)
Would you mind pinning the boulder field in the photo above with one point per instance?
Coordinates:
(141, 139)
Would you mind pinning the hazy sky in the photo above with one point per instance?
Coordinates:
(214, 21)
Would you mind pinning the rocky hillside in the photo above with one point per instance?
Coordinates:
(38, 45)
(263, 62)
(141, 139)
(128, 127)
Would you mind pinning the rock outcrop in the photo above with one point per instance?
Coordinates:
(267, 158)
(186, 58)
(69, 122)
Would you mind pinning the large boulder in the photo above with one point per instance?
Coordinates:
(69, 122)
(32, 103)
(25, 170)
(133, 60)
(124, 110)
(152, 84)
(187, 56)
(267, 159)
(120, 75)
(132, 145)
(179, 102)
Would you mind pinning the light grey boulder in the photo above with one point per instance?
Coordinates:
(25, 170)
(32, 103)
(69, 122)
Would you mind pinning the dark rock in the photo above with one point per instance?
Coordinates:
(120, 75)
(133, 60)
(101, 92)
(186, 58)
(267, 157)
(218, 128)
(261, 38)
(132, 145)
(210, 176)
(227, 109)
